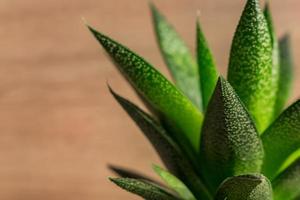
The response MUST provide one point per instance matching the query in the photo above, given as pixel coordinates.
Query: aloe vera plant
(219, 139)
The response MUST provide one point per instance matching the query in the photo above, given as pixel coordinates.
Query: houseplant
(219, 139)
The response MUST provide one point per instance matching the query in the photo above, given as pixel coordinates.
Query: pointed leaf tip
(206, 65)
(146, 190)
(177, 112)
(250, 67)
(275, 60)
(232, 142)
(177, 57)
(168, 150)
(127, 173)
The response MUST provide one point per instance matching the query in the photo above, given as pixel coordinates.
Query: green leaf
(281, 139)
(250, 68)
(276, 60)
(285, 74)
(181, 117)
(162, 143)
(207, 67)
(290, 159)
(230, 144)
(245, 187)
(297, 198)
(127, 173)
(174, 183)
(167, 149)
(144, 189)
(177, 57)
(287, 185)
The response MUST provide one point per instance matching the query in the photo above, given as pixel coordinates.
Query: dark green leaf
(250, 68)
(178, 58)
(144, 189)
(287, 185)
(230, 144)
(207, 67)
(175, 108)
(297, 198)
(276, 60)
(127, 173)
(174, 183)
(245, 187)
(168, 150)
(285, 74)
(281, 139)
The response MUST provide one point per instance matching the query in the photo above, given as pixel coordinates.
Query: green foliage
(245, 187)
(232, 142)
(275, 58)
(286, 74)
(250, 67)
(178, 58)
(144, 189)
(169, 151)
(178, 113)
(286, 185)
(247, 138)
(281, 139)
(128, 173)
(174, 183)
(207, 67)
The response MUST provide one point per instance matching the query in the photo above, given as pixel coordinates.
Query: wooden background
(59, 125)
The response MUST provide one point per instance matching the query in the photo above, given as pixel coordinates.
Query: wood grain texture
(59, 125)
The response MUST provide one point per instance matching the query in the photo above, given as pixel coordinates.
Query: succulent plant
(219, 139)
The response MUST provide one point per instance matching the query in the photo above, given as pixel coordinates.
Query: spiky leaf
(144, 189)
(276, 60)
(281, 139)
(245, 187)
(285, 74)
(287, 184)
(177, 112)
(178, 58)
(168, 150)
(207, 67)
(127, 173)
(230, 144)
(174, 183)
(250, 68)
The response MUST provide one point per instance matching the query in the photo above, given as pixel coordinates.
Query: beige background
(59, 125)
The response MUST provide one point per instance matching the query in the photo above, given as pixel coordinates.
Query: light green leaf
(276, 56)
(144, 189)
(174, 183)
(287, 185)
(178, 113)
(175, 160)
(178, 58)
(281, 139)
(285, 74)
(250, 67)
(245, 187)
(230, 144)
(207, 67)
(290, 159)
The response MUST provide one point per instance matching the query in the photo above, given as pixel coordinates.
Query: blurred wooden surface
(59, 125)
